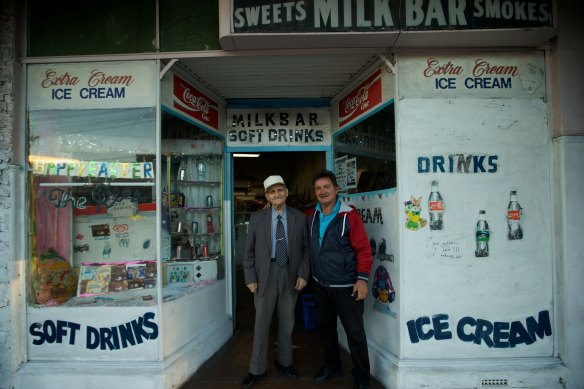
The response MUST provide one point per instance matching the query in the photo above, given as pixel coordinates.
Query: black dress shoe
(326, 374)
(251, 379)
(363, 385)
(289, 371)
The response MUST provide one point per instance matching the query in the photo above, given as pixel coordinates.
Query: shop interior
(250, 171)
(375, 170)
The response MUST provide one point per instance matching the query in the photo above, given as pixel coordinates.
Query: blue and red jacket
(345, 253)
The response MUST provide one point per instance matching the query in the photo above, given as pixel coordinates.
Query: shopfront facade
(456, 140)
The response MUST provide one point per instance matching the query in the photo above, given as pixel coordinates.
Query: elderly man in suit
(275, 268)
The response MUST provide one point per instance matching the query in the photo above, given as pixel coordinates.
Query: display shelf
(194, 210)
(197, 208)
(196, 233)
(191, 182)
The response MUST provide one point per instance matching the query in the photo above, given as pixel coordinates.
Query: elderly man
(275, 268)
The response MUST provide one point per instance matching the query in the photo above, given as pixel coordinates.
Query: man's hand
(253, 287)
(360, 290)
(300, 283)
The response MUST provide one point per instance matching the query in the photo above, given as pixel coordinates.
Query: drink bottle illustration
(514, 230)
(436, 208)
(483, 235)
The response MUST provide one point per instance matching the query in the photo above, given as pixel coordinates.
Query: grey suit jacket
(258, 248)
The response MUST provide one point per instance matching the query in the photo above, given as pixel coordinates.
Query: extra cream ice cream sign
(493, 75)
(95, 85)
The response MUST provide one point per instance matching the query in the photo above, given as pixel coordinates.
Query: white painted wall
(569, 160)
(443, 284)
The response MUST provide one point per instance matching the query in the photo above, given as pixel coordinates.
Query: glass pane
(192, 228)
(187, 25)
(93, 207)
(79, 28)
(365, 154)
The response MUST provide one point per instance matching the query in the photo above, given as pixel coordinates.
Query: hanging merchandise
(483, 235)
(435, 207)
(514, 230)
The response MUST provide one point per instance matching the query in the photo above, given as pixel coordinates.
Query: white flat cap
(273, 180)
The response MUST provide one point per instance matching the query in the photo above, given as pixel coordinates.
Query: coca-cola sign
(194, 103)
(363, 98)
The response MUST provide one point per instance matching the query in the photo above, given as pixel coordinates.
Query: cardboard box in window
(189, 271)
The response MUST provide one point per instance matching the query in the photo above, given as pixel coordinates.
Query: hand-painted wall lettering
(124, 335)
(375, 217)
(458, 163)
(481, 331)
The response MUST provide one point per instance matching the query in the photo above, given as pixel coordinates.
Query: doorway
(249, 173)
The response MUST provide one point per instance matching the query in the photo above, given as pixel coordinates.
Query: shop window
(119, 27)
(92, 206)
(192, 186)
(364, 154)
(83, 28)
(187, 25)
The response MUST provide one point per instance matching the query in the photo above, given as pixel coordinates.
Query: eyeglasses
(274, 191)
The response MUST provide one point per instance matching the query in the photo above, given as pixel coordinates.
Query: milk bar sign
(279, 127)
(269, 16)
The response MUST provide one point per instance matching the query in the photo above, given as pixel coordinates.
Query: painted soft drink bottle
(483, 235)
(514, 230)
(435, 207)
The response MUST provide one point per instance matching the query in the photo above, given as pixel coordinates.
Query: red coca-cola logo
(362, 99)
(195, 104)
(199, 103)
(359, 101)
(435, 205)
(514, 215)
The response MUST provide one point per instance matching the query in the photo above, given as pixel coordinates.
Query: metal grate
(495, 382)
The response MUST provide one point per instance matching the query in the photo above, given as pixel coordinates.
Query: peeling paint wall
(7, 86)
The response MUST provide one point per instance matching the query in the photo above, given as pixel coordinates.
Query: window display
(93, 204)
(191, 205)
(365, 154)
(193, 216)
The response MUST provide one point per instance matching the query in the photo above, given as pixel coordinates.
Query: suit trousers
(330, 303)
(279, 296)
